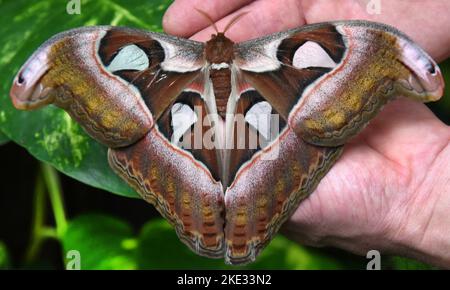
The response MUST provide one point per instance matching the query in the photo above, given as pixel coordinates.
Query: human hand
(390, 190)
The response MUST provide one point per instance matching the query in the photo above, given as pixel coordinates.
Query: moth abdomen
(221, 81)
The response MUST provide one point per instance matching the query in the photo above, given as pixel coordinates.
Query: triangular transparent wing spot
(131, 57)
(311, 54)
(259, 116)
(183, 117)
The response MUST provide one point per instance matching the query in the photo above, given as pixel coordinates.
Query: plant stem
(47, 179)
(38, 220)
(55, 193)
(49, 232)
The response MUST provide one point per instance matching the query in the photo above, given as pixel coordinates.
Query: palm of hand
(384, 175)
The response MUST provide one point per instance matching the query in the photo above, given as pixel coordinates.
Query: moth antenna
(234, 20)
(210, 20)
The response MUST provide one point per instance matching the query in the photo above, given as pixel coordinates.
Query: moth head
(219, 49)
(27, 91)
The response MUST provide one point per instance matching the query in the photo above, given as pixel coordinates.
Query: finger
(431, 34)
(408, 129)
(325, 10)
(263, 17)
(182, 19)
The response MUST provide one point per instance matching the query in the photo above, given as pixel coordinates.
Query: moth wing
(267, 181)
(268, 189)
(180, 187)
(116, 82)
(329, 80)
(177, 171)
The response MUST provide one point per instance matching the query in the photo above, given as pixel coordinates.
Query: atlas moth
(145, 94)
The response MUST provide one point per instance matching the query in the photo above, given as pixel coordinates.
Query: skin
(390, 191)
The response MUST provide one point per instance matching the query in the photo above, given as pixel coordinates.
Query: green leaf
(3, 138)
(4, 257)
(401, 263)
(282, 253)
(50, 134)
(103, 242)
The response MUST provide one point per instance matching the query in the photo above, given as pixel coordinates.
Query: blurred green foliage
(400, 263)
(4, 257)
(3, 138)
(105, 242)
(102, 241)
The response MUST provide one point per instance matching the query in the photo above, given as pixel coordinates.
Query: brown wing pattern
(326, 82)
(163, 175)
(369, 64)
(268, 189)
(72, 71)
